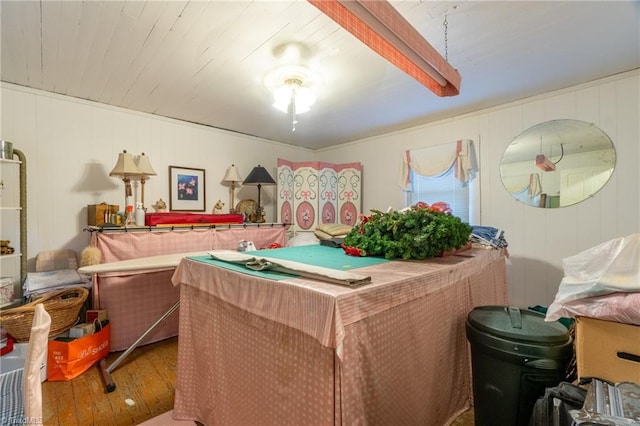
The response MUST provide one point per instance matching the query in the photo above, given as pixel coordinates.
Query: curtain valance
(435, 160)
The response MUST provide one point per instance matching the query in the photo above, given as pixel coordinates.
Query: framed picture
(186, 189)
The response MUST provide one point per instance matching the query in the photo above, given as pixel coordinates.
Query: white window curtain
(526, 185)
(535, 187)
(436, 160)
(529, 194)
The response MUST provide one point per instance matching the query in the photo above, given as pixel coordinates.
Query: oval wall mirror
(557, 163)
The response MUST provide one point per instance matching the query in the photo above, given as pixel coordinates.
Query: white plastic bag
(613, 266)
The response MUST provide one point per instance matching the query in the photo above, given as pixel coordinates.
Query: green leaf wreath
(416, 233)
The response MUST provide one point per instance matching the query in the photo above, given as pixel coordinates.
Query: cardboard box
(100, 214)
(608, 350)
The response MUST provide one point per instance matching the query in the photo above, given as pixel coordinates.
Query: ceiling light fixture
(381, 27)
(292, 98)
(544, 164)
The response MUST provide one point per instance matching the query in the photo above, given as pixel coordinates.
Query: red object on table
(354, 251)
(158, 219)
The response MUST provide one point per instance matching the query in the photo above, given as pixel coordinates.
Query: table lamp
(144, 166)
(232, 176)
(126, 168)
(258, 177)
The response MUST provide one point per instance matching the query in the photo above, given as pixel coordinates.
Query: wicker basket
(63, 306)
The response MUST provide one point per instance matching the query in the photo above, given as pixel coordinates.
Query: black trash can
(515, 356)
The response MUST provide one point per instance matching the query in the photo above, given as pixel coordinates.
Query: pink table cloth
(135, 300)
(254, 351)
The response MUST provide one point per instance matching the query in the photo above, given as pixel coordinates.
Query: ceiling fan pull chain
(446, 36)
(293, 110)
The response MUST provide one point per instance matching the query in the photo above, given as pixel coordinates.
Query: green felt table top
(317, 255)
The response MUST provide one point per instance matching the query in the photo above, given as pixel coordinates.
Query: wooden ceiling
(212, 62)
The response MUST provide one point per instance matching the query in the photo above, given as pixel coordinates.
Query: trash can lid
(521, 325)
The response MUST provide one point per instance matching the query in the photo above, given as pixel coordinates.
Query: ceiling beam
(384, 30)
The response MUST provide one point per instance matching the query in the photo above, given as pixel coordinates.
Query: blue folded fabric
(488, 235)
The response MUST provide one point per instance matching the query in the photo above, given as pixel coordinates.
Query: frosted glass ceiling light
(292, 98)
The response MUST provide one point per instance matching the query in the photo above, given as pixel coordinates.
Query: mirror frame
(557, 163)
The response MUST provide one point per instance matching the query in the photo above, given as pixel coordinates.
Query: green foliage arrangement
(417, 233)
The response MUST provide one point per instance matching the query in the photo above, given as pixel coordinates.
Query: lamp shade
(232, 174)
(143, 164)
(125, 166)
(259, 176)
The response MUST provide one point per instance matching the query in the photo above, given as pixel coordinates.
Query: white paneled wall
(71, 145)
(538, 238)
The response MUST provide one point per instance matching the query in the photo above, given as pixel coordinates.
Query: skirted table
(297, 351)
(135, 299)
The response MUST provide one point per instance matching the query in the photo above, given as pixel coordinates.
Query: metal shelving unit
(13, 219)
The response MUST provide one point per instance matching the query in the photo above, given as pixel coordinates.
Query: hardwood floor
(465, 419)
(144, 389)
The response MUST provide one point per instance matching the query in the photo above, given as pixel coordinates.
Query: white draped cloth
(435, 160)
(36, 354)
(535, 186)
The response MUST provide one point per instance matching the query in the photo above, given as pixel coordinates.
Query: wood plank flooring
(144, 389)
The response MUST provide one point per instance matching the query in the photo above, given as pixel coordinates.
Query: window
(444, 173)
(441, 188)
